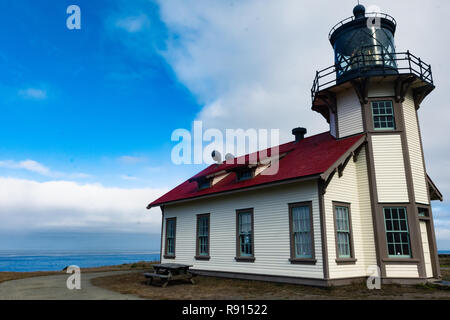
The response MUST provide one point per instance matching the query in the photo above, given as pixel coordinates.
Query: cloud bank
(66, 205)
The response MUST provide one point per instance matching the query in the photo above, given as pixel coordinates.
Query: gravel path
(54, 288)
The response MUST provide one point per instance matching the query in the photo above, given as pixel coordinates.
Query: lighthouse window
(397, 233)
(383, 115)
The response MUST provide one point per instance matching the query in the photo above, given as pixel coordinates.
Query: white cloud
(36, 167)
(33, 93)
(31, 205)
(128, 178)
(131, 159)
(133, 24)
(29, 165)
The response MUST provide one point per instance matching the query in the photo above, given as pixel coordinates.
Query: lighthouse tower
(373, 89)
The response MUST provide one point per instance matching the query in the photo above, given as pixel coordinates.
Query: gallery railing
(373, 64)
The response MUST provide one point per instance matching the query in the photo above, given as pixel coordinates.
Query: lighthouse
(343, 205)
(374, 89)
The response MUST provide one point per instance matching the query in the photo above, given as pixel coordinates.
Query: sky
(87, 115)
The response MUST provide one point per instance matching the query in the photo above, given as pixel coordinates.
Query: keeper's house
(342, 201)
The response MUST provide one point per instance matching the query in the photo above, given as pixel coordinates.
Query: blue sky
(87, 115)
(79, 100)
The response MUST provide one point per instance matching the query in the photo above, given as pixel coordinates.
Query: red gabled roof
(308, 157)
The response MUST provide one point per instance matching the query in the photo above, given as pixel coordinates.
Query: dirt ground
(218, 288)
(6, 276)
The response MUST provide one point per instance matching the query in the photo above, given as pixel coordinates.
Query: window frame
(168, 255)
(344, 260)
(238, 257)
(204, 184)
(199, 256)
(239, 173)
(395, 128)
(294, 259)
(423, 207)
(400, 257)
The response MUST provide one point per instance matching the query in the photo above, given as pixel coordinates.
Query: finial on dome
(359, 11)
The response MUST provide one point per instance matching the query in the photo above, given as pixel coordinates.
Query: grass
(211, 288)
(444, 259)
(6, 276)
(220, 288)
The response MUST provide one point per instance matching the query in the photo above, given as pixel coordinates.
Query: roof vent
(229, 157)
(299, 133)
(217, 157)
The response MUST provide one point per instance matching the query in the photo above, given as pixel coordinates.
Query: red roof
(309, 157)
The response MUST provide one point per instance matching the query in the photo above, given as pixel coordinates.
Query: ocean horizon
(28, 261)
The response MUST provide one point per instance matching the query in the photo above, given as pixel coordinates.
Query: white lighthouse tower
(373, 89)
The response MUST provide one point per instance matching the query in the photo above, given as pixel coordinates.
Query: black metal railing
(370, 15)
(374, 64)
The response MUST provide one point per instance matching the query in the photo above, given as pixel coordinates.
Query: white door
(426, 249)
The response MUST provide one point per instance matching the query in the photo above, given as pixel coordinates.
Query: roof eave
(435, 194)
(260, 186)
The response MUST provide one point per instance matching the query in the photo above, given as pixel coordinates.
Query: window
(202, 236)
(170, 237)
(301, 231)
(383, 115)
(397, 233)
(245, 239)
(204, 184)
(344, 245)
(244, 174)
(423, 212)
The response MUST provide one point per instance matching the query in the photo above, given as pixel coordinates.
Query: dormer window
(204, 184)
(245, 174)
(383, 115)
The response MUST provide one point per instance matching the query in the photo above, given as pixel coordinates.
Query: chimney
(299, 133)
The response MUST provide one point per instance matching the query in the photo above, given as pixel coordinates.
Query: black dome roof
(359, 11)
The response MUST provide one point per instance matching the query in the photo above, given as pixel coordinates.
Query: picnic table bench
(167, 272)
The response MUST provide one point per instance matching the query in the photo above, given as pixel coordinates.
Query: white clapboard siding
(426, 249)
(389, 169)
(349, 114)
(271, 231)
(381, 90)
(415, 150)
(353, 188)
(402, 271)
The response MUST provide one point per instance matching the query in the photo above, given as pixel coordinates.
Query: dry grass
(444, 260)
(219, 288)
(6, 276)
(211, 288)
(445, 274)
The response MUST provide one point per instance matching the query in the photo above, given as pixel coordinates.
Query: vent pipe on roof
(217, 157)
(299, 133)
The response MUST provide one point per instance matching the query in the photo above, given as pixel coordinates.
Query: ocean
(56, 261)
